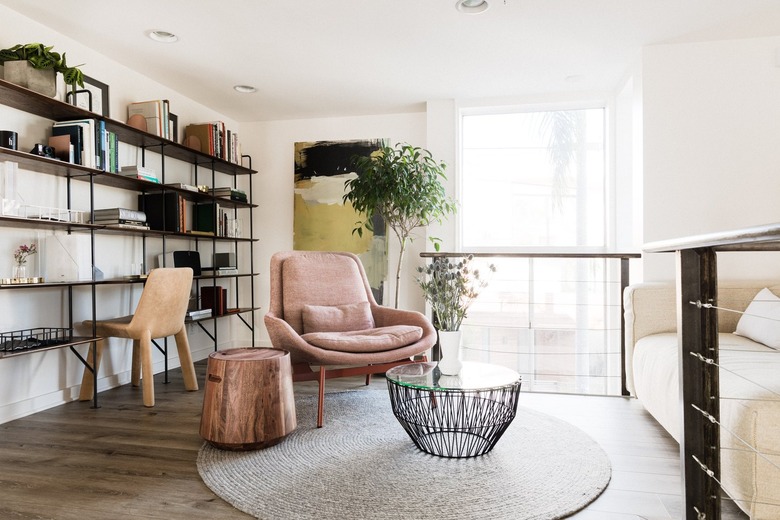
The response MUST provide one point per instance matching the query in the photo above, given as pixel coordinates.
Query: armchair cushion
(337, 318)
(370, 340)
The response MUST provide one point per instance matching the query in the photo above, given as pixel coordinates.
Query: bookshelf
(206, 170)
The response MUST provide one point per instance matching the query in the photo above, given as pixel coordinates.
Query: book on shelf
(214, 298)
(117, 221)
(120, 213)
(76, 138)
(126, 225)
(230, 193)
(140, 172)
(164, 211)
(182, 186)
(220, 271)
(91, 139)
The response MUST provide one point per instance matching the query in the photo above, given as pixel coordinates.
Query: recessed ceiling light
(245, 89)
(471, 6)
(163, 36)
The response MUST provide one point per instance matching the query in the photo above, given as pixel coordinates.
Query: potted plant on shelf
(450, 286)
(403, 185)
(35, 66)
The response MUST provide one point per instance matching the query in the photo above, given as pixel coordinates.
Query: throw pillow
(337, 318)
(761, 320)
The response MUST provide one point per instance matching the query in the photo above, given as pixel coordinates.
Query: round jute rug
(362, 465)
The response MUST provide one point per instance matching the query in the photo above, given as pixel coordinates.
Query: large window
(536, 182)
(533, 179)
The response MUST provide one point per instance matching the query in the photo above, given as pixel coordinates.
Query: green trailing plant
(43, 57)
(403, 185)
(450, 286)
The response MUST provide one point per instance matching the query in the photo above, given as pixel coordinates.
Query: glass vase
(20, 271)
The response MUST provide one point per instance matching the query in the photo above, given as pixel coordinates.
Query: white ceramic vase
(449, 343)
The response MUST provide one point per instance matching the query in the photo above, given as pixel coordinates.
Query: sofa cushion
(761, 320)
(337, 318)
(371, 340)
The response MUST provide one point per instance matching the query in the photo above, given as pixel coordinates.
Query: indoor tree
(403, 185)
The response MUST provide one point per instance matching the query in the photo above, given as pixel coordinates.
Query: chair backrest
(164, 301)
(301, 278)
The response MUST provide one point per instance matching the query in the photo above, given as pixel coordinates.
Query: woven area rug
(362, 465)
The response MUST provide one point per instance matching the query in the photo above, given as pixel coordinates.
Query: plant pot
(449, 345)
(43, 81)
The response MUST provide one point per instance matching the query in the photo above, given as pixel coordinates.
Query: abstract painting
(322, 221)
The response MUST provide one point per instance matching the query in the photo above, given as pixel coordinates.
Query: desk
(454, 416)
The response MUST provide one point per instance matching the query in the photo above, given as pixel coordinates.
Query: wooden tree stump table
(248, 401)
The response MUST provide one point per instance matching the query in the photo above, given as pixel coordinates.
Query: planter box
(23, 74)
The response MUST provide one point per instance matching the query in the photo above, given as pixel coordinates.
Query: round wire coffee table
(454, 416)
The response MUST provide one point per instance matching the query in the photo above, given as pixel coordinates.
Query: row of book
(214, 139)
(157, 115)
(214, 298)
(169, 211)
(86, 142)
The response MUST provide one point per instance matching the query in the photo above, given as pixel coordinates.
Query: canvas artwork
(322, 221)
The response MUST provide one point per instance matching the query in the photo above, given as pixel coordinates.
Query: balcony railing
(556, 318)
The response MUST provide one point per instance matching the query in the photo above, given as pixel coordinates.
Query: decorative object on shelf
(93, 97)
(402, 185)
(9, 139)
(20, 261)
(450, 286)
(34, 66)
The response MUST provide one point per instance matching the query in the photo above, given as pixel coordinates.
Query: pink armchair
(323, 312)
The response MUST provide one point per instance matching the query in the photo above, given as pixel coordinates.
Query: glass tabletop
(473, 376)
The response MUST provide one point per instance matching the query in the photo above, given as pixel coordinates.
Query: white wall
(271, 145)
(710, 147)
(40, 380)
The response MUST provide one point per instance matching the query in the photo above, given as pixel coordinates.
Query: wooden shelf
(31, 102)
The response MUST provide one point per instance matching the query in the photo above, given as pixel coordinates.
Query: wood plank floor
(126, 461)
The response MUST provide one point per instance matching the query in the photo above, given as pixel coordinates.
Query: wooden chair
(323, 312)
(160, 313)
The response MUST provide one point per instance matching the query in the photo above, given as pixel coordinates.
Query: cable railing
(555, 318)
(730, 438)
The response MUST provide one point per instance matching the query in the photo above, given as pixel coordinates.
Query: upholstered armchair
(323, 312)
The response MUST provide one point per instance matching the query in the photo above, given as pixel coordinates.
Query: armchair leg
(368, 379)
(321, 400)
(87, 382)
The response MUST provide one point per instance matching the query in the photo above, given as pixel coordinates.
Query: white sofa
(749, 382)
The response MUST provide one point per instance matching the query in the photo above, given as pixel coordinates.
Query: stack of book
(197, 314)
(121, 217)
(140, 172)
(230, 193)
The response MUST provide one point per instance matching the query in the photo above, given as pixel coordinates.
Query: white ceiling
(317, 58)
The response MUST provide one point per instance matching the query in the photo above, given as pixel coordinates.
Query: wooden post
(248, 400)
(697, 331)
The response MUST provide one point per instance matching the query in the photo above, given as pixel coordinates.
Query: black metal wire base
(454, 423)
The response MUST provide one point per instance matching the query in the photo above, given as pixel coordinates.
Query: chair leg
(185, 358)
(147, 375)
(135, 371)
(87, 379)
(368, 379)
(321, 401)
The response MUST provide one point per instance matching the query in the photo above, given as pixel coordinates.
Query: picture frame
(93, 97)
(173, 126)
